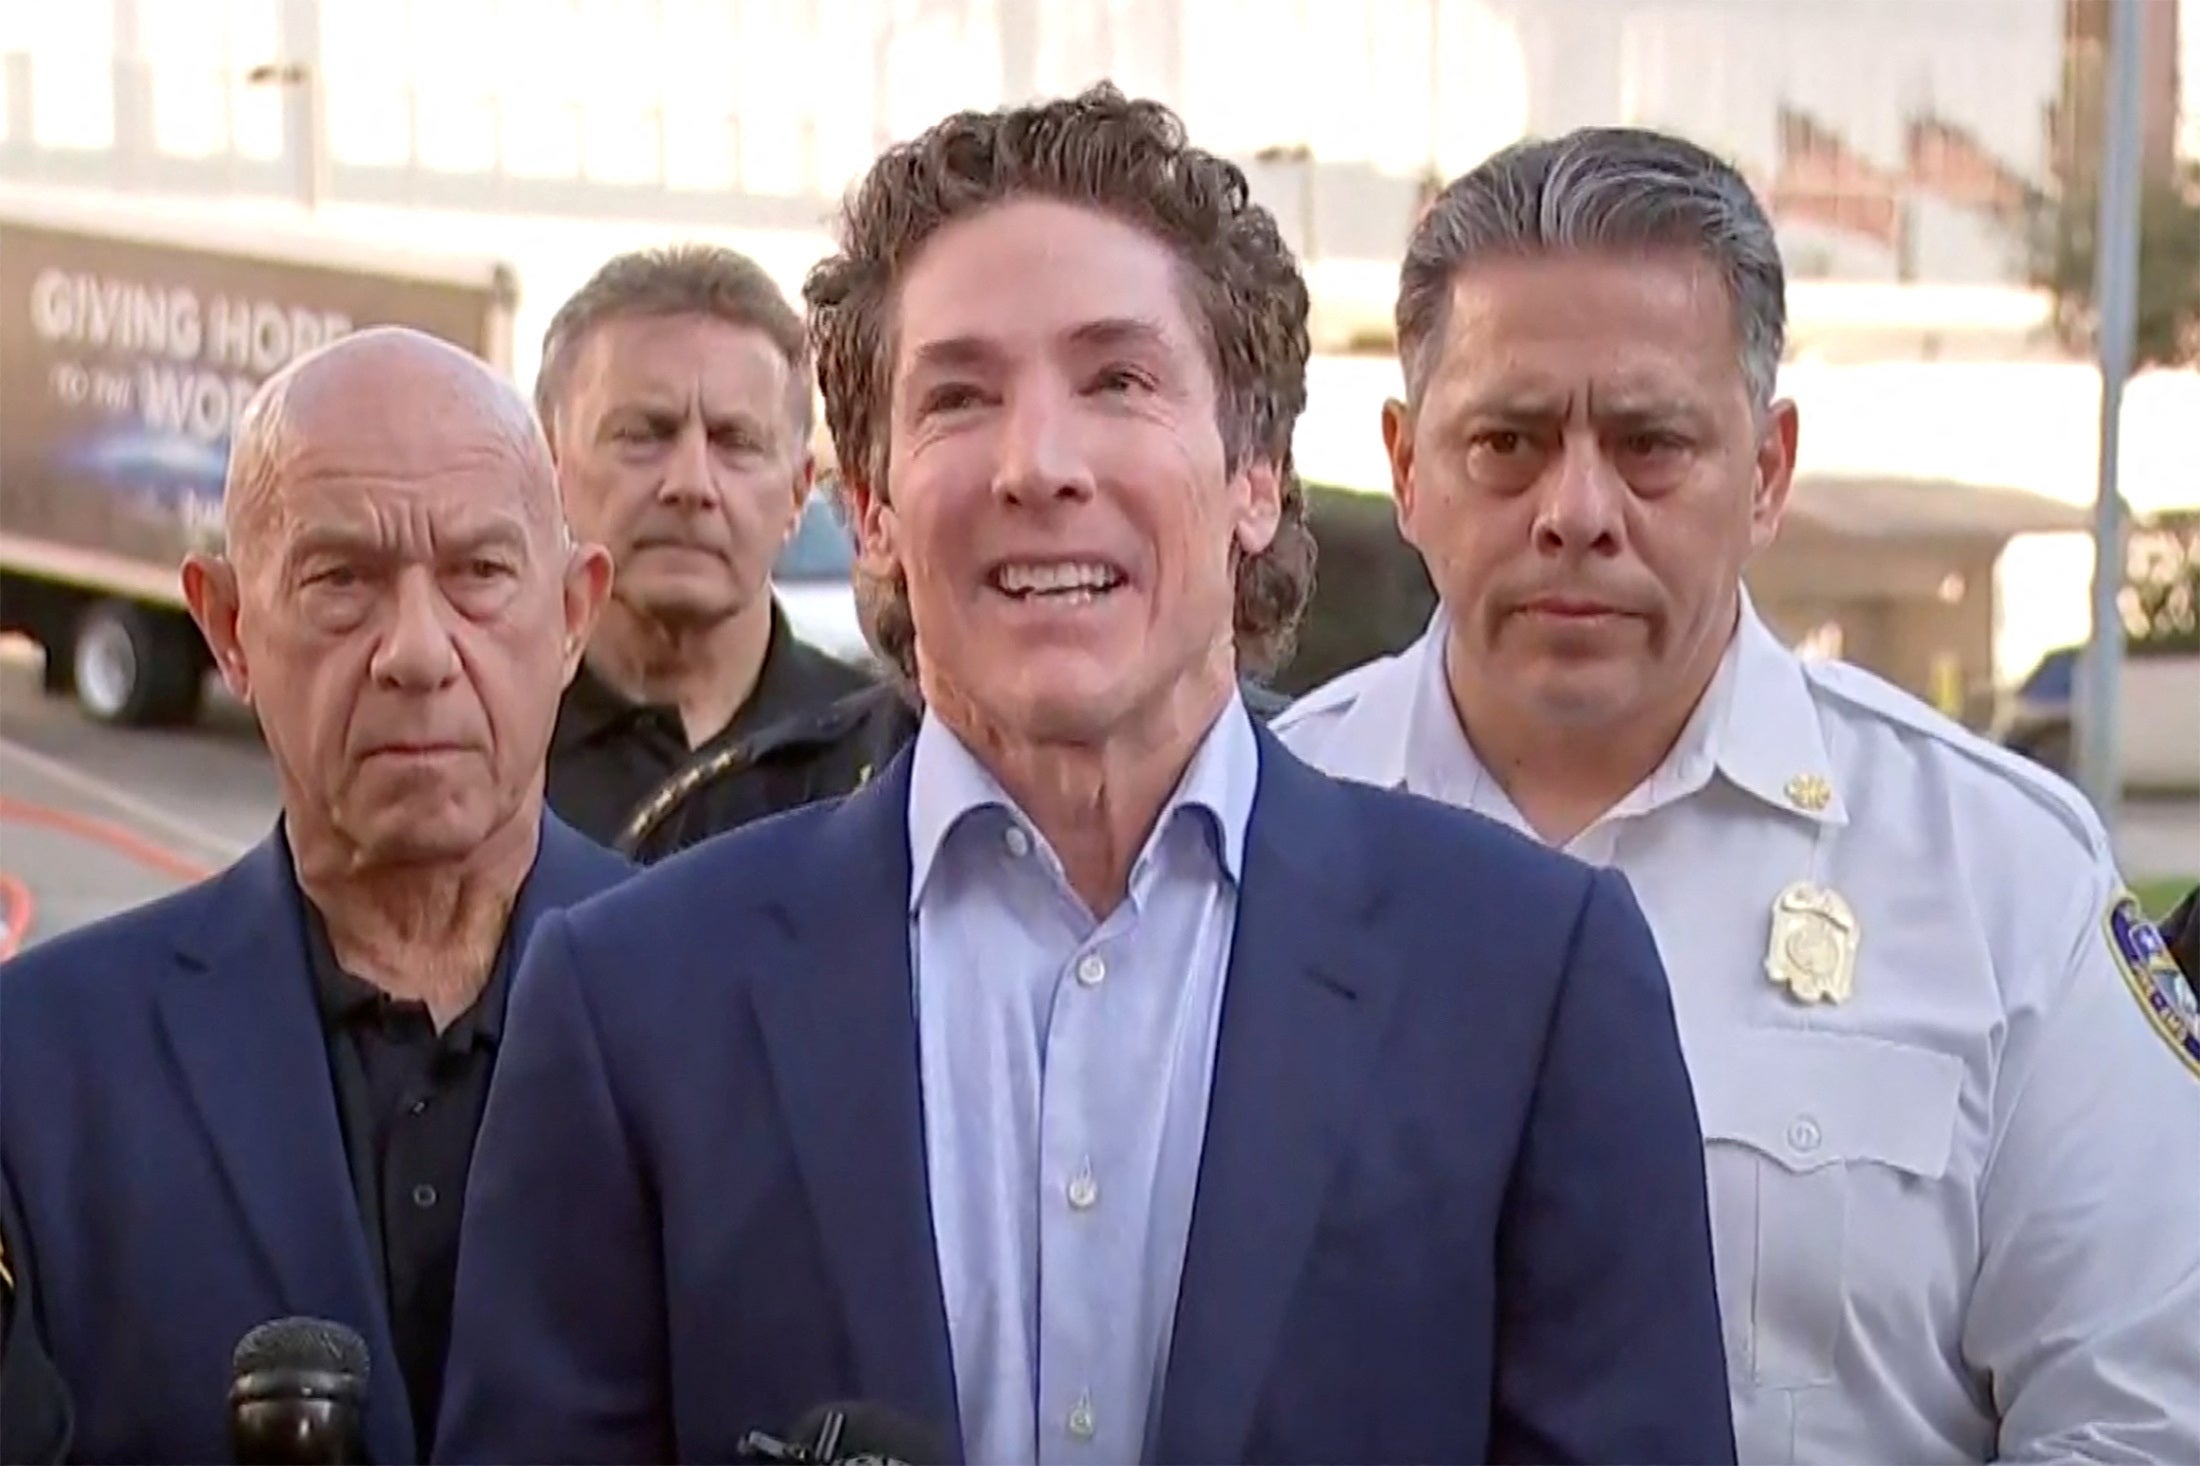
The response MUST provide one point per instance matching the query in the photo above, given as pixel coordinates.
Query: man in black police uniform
(822, 755)
(675, 390)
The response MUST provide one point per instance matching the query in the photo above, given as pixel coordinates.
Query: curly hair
(1128, 159)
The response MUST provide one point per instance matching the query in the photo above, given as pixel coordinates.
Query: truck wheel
(136, 667)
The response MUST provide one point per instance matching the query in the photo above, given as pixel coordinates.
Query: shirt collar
(1768, 739)
(343, 998)
(948, 784)
(593, 709)
(1757, 726)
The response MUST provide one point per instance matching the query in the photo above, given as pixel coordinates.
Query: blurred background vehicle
(2161, 717)
(813, 580)
(128, 345)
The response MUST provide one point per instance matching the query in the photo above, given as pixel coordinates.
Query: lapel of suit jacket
(569, 868)
(837, 1012)
(1302, 1016)
(246, 1034)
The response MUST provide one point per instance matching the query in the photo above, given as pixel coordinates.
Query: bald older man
(257, 1097)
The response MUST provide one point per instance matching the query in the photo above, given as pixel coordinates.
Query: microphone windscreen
(315, 1344)
(870, 1429)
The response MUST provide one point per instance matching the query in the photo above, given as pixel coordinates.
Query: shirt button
(1081, 1421)
(1092, 969)
(1019, 843)
(1083, 1191)
(417, 1107)
(423, 1196)
(1804, 1135)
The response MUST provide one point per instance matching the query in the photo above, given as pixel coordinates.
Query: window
(457, 129)
(848, 113)
(777, 67)
(696, 62)
(627, 51)
(367, 82)
(255, 112)
(201, 104)
(540, 135)
(71, 46)
(458, 51)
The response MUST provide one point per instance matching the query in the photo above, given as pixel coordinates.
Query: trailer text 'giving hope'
(189, 364)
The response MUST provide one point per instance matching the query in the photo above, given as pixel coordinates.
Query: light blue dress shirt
(1066, 1063)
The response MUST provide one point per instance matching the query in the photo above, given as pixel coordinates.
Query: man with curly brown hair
(1099, 1083)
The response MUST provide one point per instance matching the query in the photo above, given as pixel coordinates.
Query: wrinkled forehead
(405, 502)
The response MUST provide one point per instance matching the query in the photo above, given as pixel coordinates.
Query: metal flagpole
(2116, 293)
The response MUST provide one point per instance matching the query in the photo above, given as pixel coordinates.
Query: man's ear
(1398, 448)
(1261, 508)
(878, 547)
(1775, 473)
(210, 589)
(802, 484)
(588, 573)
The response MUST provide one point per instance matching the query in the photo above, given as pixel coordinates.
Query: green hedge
(1371, 594)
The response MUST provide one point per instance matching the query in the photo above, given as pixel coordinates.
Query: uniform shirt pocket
(1804, 1128)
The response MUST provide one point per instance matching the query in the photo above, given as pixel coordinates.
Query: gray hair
(682, 280)
(1596, 189)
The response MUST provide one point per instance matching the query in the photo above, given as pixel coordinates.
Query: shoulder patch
(2143, 957)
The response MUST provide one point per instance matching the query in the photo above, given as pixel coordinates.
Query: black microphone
(298, 1395)
(846, 1433)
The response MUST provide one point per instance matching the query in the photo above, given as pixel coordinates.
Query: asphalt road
(95, 819)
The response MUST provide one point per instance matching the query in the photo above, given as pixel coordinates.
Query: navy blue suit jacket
(173, 1161)
(1451, 1204)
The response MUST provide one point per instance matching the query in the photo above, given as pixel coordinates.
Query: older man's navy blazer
(1451, 1203)
(172, 1153)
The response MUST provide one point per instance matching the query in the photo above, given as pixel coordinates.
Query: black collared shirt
(608, 754)
(410, 1101)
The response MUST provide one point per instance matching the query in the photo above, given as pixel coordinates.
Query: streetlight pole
(2116, 291)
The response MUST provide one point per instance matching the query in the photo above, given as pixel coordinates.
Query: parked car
(814, 582)
(2159, 726)
(2037, 719)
